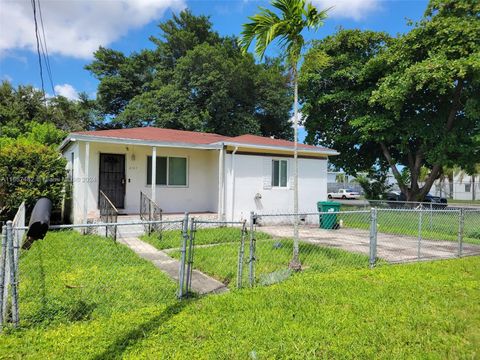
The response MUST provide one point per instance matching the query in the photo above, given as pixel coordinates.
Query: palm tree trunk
(295, 263)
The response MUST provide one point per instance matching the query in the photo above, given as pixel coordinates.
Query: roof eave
(126, 141)
(328, 152)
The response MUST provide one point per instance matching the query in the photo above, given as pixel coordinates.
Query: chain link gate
(212, 250)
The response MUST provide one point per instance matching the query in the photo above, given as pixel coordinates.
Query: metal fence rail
(216, 248)
(150, 211)
(108, 214)
(70, 277)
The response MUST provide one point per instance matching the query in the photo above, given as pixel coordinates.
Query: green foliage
(374, 185)
(46, 134)
(412, 100)
(267, 26)
(29, 170)
(193, 80)
(345, 309)
(22, 105)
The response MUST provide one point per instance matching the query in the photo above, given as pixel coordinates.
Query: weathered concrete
(390, 247)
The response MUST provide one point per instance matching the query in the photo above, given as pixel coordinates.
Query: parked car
(396, 198)
(344, 194)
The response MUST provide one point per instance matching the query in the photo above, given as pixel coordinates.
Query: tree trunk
(295, 263)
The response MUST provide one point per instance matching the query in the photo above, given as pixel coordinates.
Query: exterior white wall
(245, 177)
(253, 172)
(463, 187)
(71, 154)
(200, 194)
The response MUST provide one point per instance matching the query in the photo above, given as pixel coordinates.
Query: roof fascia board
(287, 148)
(123, 141)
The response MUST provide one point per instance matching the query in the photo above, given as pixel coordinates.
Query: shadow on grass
(116, 349)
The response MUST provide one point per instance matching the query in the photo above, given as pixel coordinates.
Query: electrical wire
(38, 46)
(45, 50)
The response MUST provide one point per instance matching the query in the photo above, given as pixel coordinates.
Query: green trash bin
(328, 221)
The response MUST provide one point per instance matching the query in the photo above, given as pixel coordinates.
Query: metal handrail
(150, 211)
(108, 214)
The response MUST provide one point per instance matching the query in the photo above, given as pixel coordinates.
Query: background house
(192, 171)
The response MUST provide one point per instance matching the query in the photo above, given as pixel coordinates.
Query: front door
(112, 178)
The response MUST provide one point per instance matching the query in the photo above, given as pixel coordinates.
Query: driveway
(390, 247)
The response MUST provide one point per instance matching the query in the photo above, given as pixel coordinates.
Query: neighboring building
(463, 187)
(340, 180)
(195, 172)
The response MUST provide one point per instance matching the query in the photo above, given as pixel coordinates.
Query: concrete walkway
(201, 283)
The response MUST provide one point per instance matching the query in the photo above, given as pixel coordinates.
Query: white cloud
(352, 9)
(67, 91)
(77, 27)
(300, 119)
(7, 77)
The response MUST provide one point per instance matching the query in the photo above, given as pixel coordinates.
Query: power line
(45, 52)
(38, 46)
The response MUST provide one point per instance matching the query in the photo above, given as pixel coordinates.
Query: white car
(344, 194)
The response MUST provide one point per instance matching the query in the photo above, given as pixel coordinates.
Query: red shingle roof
(158, 134)
(192, 137)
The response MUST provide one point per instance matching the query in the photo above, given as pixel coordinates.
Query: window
(171, 171)
(468, 187)
(177, 171)
(279, 173)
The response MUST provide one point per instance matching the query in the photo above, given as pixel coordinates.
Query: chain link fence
(76, 273)
(79, 272)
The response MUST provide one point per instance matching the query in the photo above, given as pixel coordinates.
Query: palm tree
(294, 17)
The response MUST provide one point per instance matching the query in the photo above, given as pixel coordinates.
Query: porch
(177, 179)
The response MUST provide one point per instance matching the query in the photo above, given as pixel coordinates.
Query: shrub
(374, 186)
(29, 170)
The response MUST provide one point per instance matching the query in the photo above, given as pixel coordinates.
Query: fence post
(181, 271)
(3, 258)
(252, 259)
(150, 217)
(420, 220)
(373, 237)
(461, 224)
(190, 257)
(431, 216)
(240, 256)
(13, 274)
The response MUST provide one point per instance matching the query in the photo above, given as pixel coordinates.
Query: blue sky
(74, 28)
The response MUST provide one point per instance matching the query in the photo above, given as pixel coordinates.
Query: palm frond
(286, 28)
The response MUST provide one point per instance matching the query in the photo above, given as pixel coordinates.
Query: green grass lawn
(172, 239)
(272, 260)
(68, 278)
(465, 202)
(217, 253)
(422, 310)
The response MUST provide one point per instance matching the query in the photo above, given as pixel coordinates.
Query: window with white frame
(279, 173)
(169, 171)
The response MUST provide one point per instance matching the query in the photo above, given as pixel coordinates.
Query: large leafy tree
(412, 101)
(21, 106)
(194, 80)
(294, 16)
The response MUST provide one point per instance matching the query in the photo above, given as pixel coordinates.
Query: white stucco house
(191, 171)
